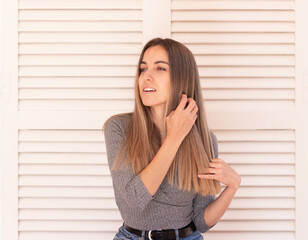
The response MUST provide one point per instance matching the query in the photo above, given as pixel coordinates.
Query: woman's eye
(158, 68)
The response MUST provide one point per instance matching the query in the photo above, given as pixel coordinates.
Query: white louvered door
(245, 53)
(77, 62)
(72, 65)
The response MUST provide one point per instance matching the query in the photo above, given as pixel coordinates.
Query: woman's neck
(158, 114)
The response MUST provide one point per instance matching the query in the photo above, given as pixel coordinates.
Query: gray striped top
(169, 208)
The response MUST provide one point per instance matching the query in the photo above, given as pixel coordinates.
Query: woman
(163, 158)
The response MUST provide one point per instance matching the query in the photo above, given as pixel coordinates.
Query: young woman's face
(154, 79)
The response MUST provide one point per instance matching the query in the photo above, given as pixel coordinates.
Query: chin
(151, 103)
(148, 104)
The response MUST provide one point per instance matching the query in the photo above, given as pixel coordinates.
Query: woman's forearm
(216, 209)
(179, 123)
(219, 170)
(153, 175)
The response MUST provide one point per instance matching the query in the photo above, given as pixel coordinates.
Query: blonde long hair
(143, 139)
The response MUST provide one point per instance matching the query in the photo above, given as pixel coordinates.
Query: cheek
(139, 84)
(168, 86)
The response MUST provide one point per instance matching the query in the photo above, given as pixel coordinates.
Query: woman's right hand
(180, 121)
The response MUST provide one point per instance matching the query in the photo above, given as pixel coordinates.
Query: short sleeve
(200, 203)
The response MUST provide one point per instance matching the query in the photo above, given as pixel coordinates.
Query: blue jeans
(123, 234)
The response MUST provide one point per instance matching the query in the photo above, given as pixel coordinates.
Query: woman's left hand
(221, 171)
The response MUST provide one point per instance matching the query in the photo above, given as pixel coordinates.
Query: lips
(149, 89)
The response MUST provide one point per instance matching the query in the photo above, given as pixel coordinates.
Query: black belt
(163, 234)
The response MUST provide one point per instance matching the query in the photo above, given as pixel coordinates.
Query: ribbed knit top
(169, 208)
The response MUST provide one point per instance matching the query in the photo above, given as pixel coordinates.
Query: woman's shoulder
(117, 122)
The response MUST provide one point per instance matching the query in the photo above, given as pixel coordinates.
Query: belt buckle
(150, 232)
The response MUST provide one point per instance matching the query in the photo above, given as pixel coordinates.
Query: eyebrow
(143, 62)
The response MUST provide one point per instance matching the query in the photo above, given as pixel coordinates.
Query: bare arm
(179, 123)
(153, 175)
(216, 209)
(222, 172)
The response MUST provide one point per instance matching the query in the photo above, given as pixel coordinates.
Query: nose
(148, 75)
